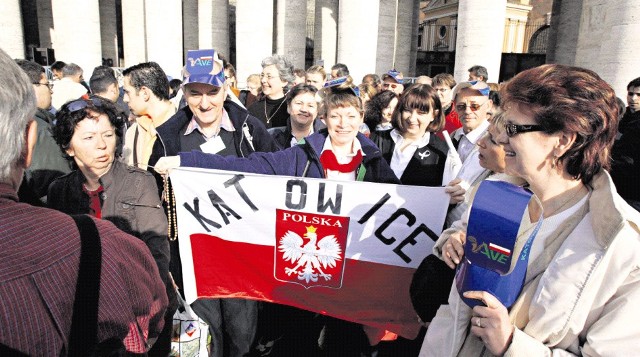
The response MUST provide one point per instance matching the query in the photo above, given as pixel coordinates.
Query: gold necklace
(274, 113)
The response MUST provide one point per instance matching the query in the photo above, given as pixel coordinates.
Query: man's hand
(165, 164)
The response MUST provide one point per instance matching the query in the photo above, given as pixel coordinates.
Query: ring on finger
(478, 322)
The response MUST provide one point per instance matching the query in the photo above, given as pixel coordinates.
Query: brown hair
(571, 100)
(444, 79)
(419, 97)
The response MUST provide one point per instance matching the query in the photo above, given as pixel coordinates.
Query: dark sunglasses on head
(513, 129)
(82, 103)
(461, 107)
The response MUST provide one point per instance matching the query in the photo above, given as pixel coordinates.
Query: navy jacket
(282, 134)
(300, 160)
(254, 138)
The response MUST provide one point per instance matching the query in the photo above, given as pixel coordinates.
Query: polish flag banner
(344, 249)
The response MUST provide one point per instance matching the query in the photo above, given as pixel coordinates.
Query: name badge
(213, 146)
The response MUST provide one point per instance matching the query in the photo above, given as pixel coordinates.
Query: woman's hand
(165, 164)
(491, 322)
(456, 190)
(453, 249)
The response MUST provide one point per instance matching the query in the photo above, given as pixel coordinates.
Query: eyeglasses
(50, 85)
(390, 85)
(442, 89)
(513, 129)
(82, 103)
(461, 107)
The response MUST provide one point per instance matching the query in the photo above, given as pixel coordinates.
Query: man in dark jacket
(48, 163)
(212, 124)
(625, 168)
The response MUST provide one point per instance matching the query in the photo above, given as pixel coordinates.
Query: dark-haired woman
(87, 131)
(415, 155)
(583, 279)
(378, 115)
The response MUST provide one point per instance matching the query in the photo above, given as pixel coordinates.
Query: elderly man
(393, 81)
(48, 162)
(212, 124)
(69, 87)
(43, 250)
(472, 103)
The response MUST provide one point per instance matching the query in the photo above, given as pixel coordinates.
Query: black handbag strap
(84, 322)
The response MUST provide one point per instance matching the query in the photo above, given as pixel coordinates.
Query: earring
(554, 163)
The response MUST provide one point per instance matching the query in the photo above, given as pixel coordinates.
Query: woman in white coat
(583, 280)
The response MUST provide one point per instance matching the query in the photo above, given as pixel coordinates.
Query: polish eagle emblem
(312, 258)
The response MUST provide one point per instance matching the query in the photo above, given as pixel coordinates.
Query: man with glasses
(210, 123)
(393, 81)
(47, 163)
(472, 103)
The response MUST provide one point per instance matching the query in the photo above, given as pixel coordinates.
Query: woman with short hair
(276, 77)
(582, 284)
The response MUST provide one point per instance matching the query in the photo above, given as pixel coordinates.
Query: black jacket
(282, 134)
(427, 164)
(625, 166)
(48, 163)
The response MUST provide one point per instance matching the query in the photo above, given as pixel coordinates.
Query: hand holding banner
(345, 249)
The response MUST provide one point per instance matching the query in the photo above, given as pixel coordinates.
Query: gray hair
(284, 66)
(17, 108)
(71, 69)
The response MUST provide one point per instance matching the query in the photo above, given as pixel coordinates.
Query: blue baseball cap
(203, 66)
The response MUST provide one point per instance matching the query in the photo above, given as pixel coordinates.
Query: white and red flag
(345, 249)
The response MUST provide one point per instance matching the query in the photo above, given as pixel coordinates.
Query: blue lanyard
(490, 263)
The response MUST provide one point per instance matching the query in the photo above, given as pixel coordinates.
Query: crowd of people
(104, 149)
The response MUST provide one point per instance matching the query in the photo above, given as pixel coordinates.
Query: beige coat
(584, 303)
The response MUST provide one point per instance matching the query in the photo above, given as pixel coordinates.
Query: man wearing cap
(472, 103)
(146, 91)
(392, 81)
(212, 124)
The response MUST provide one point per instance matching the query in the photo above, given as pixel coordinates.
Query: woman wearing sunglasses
(582, 285)
(87, 131)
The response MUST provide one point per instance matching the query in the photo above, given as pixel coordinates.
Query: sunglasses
(461, 107)
(50, 85)
(390, 85)
(513, 129)
(80, 104)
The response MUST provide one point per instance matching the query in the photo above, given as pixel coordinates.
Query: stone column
(479, 42)
(564, 30)
(605, 42)
(357, 48)
(385, 39)
(413, 54)
(213, 25)
(45, 22)
(164, 35)
(77, 38)
(254, 36)
(407, 27)
(325, 34)
(452, 33)
(12, 39)
(291, 29)
(109, 30)
(190, 26)
(134, 39)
